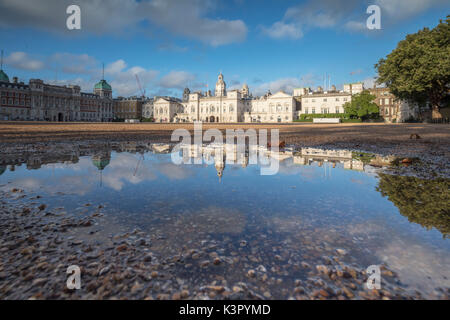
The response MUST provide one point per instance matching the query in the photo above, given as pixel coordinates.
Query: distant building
(147, 108)
(39, 101)
(387, 103)
(324, 102)
(128, 108)
(165, 109)
(391, 108)
(226, 106)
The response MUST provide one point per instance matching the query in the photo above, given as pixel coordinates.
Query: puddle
(319, 201)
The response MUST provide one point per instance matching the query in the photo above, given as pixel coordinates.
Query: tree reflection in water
(422, 201)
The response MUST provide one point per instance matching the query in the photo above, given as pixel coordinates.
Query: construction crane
(140, 86)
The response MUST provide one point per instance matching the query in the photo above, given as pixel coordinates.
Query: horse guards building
(38, 101)
(240, 106)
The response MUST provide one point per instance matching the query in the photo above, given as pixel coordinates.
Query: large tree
(362, 106)
(418, 70)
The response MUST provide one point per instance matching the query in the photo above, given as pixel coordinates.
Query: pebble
(322, 269)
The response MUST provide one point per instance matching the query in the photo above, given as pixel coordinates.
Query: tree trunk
(436, 113)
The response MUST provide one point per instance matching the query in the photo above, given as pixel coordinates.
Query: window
(337, 99)
(313, 110)
(325, 100)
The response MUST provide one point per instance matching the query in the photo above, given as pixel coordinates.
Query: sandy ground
(434, 138)
(29, 131)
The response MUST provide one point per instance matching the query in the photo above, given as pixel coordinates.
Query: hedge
(323, 115)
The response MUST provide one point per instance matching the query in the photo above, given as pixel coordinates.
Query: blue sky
(276, 45)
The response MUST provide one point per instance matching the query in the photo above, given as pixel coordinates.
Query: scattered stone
(322, 269)
(122, 247)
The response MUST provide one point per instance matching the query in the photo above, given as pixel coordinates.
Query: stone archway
(211, 119)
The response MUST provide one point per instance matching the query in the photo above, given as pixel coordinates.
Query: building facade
(165, 109)
(147, 109)
(324, 102)
(128, 108)
(226, 106)
(38, 101)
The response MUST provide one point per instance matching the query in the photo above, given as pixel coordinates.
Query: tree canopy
(418, 70)
(362, 106)
(425, 202)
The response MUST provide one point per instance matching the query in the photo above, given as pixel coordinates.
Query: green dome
(100, 163)
(103, 85)
(3, 76)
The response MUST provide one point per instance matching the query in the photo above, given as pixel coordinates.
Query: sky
(173, 44)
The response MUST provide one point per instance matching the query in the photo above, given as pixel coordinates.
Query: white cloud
(22, 61)
(348, 15)
(186, 18)
(72, 63)
(285, 84)
(124, 81)
(176, 79)
(356, 26)
(401, 9)
(282, 30)
(116, 67)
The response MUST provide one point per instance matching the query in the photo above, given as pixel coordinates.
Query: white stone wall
(147, 110)
(324, 103)
(165, 110)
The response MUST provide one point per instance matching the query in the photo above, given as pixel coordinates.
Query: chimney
(15, 80)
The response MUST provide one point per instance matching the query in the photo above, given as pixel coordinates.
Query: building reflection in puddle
(115, 165)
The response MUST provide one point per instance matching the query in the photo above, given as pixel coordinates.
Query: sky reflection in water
(332, 202)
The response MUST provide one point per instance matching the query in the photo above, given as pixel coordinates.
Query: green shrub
(311, 116)
(351, 120)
